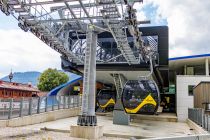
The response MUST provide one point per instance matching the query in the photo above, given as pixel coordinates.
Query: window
(190, 90)
(190, 70)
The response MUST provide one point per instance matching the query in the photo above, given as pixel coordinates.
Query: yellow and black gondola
(140, 97)
(106, 99)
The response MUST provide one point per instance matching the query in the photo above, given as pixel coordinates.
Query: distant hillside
(32, 77)
(24, 77)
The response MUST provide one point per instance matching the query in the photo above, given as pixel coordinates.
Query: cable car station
(123, 62)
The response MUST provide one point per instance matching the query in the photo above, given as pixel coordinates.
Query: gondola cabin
(106, 99)
(140, 97)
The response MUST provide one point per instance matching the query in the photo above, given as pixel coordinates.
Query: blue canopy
(55, 91)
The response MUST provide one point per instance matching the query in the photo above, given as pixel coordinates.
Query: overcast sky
(189, 34)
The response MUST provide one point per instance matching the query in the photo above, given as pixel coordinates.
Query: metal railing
(198, 116)
(18, 107)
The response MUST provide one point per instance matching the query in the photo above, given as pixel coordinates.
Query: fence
(12, 108)
(198, 116)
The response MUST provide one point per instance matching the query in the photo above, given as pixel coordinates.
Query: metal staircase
(117, 26)
(119, 115)
(29, 19)
(131, 19)
(119, 80)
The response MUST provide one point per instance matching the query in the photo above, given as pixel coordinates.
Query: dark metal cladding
(107, 42)
(160, 31)
(160, 65)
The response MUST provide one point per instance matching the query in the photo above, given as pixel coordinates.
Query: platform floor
(139, 130)
(167, 117)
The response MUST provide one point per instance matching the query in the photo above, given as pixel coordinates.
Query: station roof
(177, 62)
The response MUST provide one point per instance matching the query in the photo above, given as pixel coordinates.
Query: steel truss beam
(75, 15)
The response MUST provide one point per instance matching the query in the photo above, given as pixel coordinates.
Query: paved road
(142, 129)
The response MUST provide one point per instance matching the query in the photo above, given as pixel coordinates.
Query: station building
(175, 77)
(184, 74)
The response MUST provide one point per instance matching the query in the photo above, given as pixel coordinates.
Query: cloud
(140, 13)
(188, 23)
(22, 51)
(177, 51)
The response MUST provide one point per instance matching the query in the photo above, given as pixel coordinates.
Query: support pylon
(88, 117)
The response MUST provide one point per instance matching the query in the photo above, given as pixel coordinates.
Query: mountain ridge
(31, 77)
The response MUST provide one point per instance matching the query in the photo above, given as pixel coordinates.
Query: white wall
(183, 100)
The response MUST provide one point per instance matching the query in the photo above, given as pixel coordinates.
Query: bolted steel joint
(86, 120)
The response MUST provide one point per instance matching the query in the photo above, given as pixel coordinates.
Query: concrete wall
(39, 118)
(183, 100)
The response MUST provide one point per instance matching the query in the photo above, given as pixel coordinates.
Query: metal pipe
(21, 107)
(30, 106)
(47, 2)
(207, 66)
(84, 9)
(151, 70)
(73, 14)
(10, 108)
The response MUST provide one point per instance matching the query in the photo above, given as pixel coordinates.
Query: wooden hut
(202, 95)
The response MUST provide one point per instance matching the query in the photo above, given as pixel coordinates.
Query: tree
(51, 78)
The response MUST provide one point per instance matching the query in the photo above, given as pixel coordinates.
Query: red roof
(17, 86)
